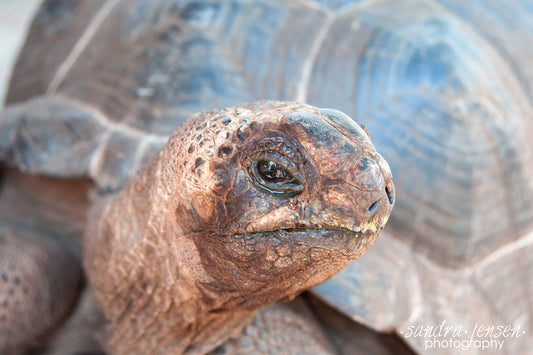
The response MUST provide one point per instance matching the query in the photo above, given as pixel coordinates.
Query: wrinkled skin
(243, 207)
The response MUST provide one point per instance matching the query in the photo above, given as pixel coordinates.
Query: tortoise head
(243, 207)
(277, 197)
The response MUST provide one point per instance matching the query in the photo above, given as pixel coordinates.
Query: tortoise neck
(146, 274)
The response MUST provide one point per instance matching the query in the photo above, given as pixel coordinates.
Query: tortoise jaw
(260, 267)
(285, 261)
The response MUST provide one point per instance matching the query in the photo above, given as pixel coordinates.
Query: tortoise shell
(444, 87)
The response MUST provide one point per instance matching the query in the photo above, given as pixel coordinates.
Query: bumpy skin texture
(280, 328)
(185, 253)
(39, 284)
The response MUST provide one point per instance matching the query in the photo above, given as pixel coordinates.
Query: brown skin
(243, 207)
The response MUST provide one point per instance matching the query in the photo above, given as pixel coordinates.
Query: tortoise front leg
(49, 136)
(39, 284)
(60, 137)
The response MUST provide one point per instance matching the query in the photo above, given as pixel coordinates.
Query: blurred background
(15, 16)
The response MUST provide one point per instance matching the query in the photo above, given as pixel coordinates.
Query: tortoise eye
(273, 172)
(277, 175)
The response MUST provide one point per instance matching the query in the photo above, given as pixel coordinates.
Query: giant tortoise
(443, 86)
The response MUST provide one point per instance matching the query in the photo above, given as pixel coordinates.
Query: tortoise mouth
(332, 239)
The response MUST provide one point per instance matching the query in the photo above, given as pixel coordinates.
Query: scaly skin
(205, 234)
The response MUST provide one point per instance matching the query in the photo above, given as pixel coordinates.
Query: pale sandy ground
(15, 16)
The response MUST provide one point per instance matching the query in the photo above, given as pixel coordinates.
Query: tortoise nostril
(390, 195)
(374, 206)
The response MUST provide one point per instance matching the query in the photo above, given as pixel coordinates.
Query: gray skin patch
(337, 124)
(342, 121)
(309, 121)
